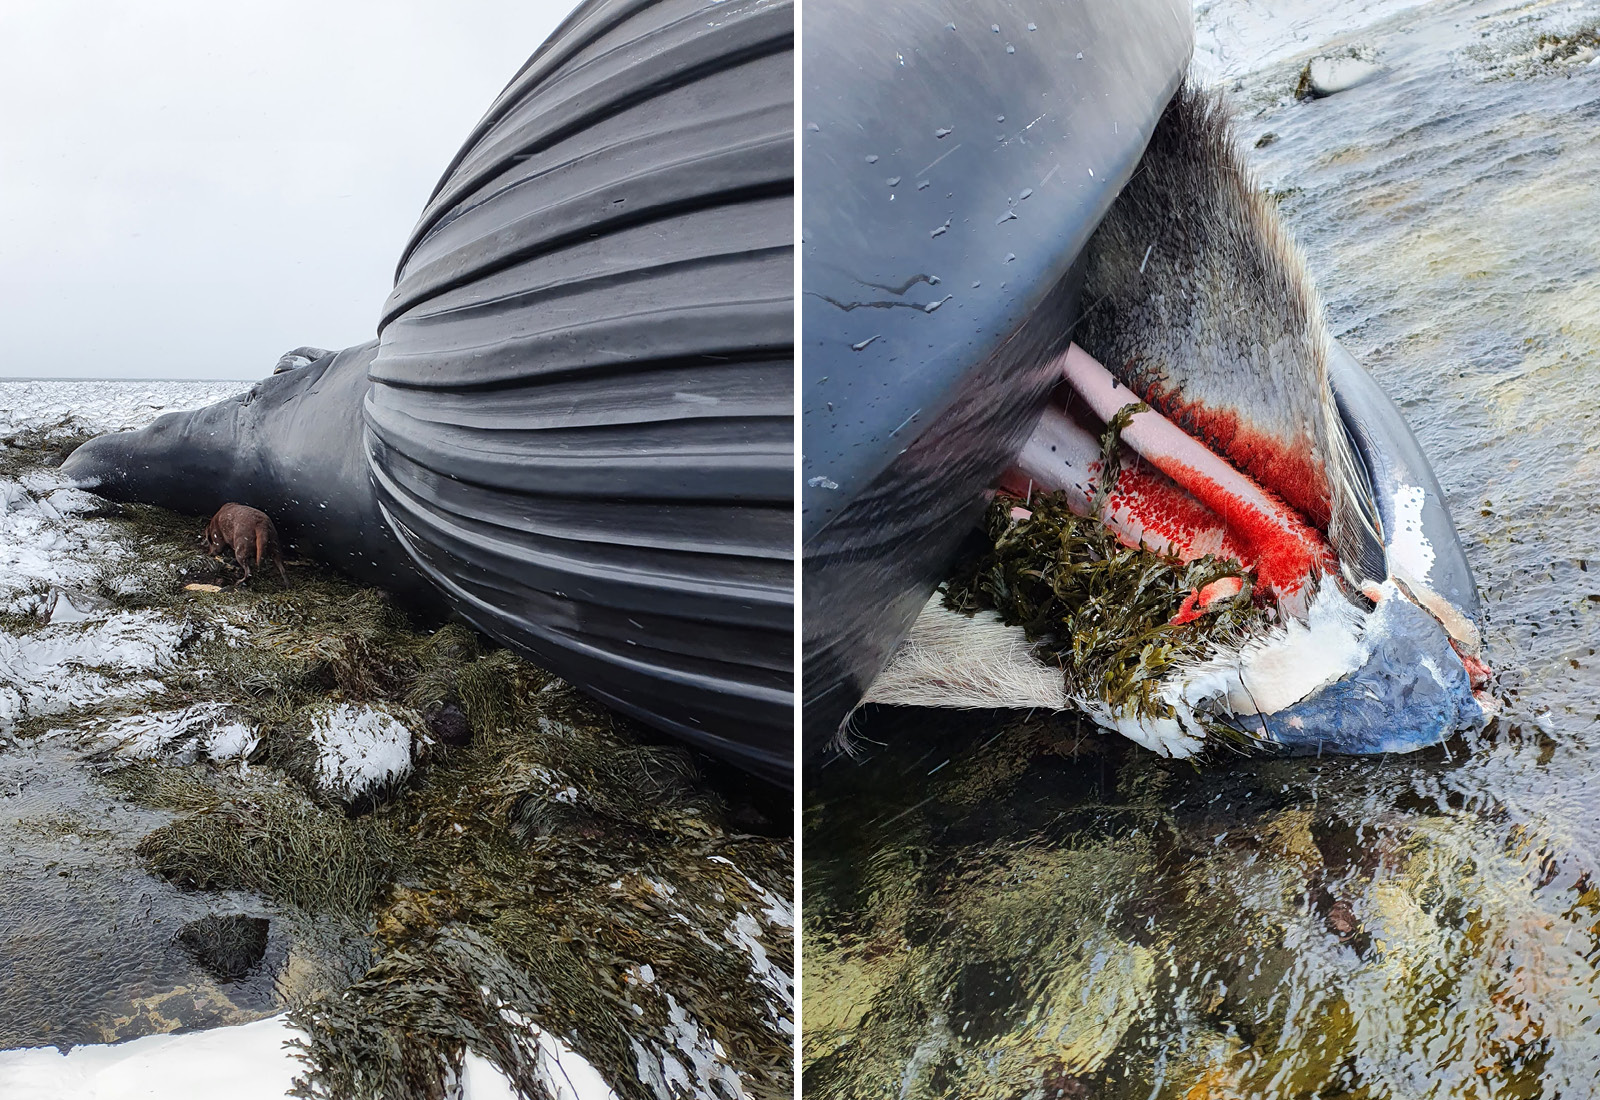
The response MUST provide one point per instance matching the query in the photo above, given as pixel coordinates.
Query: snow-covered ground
(1235, 37)
(51, 554)
(248, 1062)
(102, 405)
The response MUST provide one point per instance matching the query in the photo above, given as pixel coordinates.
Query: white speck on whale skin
(821, 482)
(1409, 548)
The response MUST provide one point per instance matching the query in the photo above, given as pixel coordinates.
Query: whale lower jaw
(1343, 680)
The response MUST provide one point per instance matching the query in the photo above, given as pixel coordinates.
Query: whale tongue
(1180, 499)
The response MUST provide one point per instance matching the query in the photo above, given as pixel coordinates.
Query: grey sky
(190, 188)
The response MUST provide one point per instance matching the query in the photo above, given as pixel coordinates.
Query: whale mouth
(1336, 660)
(1205, 416)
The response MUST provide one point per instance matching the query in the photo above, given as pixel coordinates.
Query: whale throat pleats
(581, 418)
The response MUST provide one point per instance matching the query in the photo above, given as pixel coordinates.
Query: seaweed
(1098, 609)
(261, 835)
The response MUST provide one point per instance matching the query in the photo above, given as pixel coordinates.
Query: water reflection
(1001, 906)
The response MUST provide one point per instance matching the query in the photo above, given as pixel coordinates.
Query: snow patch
(1236, 37)
(565, 1074)
(1332, 75)
(361, 749)
(708, 1072)
(773, 979)
(43, 542)
(181, 735)
(247, 1062)
(59, 667)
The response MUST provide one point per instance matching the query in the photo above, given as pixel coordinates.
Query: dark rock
(448, 723)
(226, 947)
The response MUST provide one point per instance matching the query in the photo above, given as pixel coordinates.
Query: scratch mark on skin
(937, 159)
(920, 307)
(902, 287)
(906, 421)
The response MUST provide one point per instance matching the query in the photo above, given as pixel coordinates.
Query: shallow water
(89, 940)
(1027, 907)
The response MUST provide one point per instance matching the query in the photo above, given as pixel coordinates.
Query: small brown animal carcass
(242, 529)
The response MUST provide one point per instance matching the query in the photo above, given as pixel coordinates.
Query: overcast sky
(189, 188)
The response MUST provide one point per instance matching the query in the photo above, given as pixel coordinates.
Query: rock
(1329, 74)
(448, 723)
(202, 588)
(73, 605)
(362, 751)
(226, 947)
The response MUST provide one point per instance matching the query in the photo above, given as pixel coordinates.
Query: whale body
(574, 428)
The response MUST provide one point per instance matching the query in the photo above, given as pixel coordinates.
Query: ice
(91, 405)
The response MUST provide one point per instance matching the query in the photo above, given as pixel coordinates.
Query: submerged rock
(227, 947)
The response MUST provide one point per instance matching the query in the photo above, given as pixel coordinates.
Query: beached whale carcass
(1008, 187)
(574, 428)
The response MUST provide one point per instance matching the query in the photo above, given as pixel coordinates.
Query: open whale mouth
(1234, 429)
(1352, 662)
